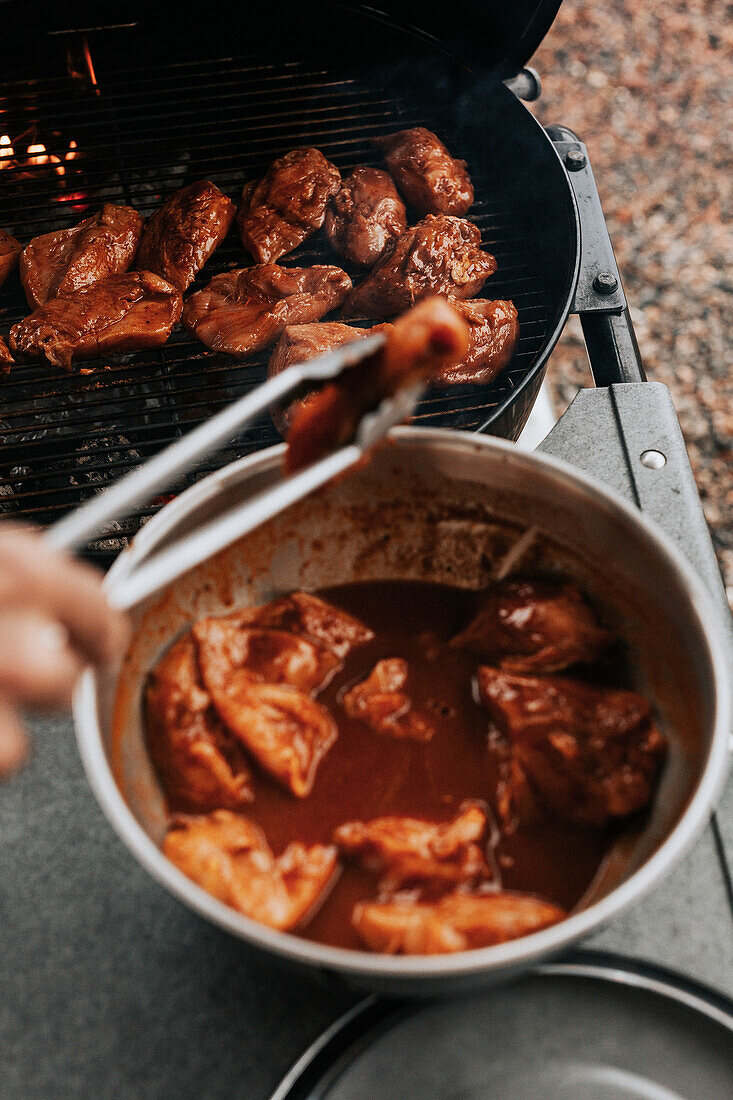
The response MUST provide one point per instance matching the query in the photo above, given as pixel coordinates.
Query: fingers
(38, 667)
(13, 741)
(63, 590)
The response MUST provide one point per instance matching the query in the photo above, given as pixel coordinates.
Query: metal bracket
(526, 84)
(628, 436)
(599, 287)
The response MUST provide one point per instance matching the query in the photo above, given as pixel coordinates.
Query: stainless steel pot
(456, 508)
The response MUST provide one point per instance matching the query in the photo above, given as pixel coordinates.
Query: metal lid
(599, 1028)
(496, 37)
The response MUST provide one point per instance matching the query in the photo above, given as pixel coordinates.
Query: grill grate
(62, 436)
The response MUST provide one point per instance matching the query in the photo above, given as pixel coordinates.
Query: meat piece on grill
(179, 237)
(364, 216)
(6, 359)
(408, 852)
(200, 765)
(241, 312)
(230, 651)
(439, 255)
(63, 262)
(380, 702)
(10, 250)
(312, 618)
(117, 314)
(456, 922)
(589, 753)
(420, 345)
(299, 343)
(494, 332)
(228, 856)
(278, 212)
(534, 626)
(430, 179)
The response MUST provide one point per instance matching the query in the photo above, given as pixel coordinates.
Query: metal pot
(456, 508)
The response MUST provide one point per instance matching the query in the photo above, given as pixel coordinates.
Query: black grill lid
(490, 35)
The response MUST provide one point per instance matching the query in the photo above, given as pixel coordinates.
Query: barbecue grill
(96, 107)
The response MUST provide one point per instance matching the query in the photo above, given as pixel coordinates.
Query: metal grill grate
(64, 436)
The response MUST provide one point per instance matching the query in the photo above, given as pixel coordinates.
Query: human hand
(54, 620)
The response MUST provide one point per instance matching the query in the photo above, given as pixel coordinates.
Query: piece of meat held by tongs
(362, 389)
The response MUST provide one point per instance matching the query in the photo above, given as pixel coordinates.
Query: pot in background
(455, 508)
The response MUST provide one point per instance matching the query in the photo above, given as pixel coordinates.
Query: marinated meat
(430, 179)
(408, 852)
(299, 343)
(380, 702)
(229, 650)
(10, 250)
(228, 856)
(286, 731)
(6, 359)
(311, 617)
(364, 216)
(288, 205)
(63, 262)
(200, 765)
(439, 255)
(456, 922)
(241, 312)
(493, 333)
(589, 753)
(424, 342)
(117, 314)
(179, 237)
(534, 626)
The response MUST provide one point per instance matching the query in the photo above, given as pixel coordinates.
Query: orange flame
(6, 151)
(37, 155)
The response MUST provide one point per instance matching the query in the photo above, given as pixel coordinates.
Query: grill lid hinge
(526, 84)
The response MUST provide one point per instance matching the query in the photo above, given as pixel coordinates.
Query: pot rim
(519, 952)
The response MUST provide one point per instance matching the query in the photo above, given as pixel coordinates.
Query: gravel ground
(648, 87)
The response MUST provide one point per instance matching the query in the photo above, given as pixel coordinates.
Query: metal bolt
(605, 283)
(653, 460)
(575, 160)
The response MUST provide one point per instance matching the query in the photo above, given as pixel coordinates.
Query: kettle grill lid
(494, 36)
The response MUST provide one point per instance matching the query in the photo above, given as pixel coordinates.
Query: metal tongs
(136, 488)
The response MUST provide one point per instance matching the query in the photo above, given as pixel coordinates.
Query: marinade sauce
(366, 775)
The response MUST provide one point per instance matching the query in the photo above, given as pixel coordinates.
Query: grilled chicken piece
(408, 852)
(311, 617)
(63, 262)
(230, 651)
(534, 626)
(422, 343)
(6, 359)
(299, 343)
(179, 237)
(241, 312)
(457, 922)
(288, 205)
(364, 216)
(493, 333)
(10, 250)
(590, 754)
(200, 765)
(439, 255)
(228, 856)
(430, 179)
(380, 702)
(117, 314)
